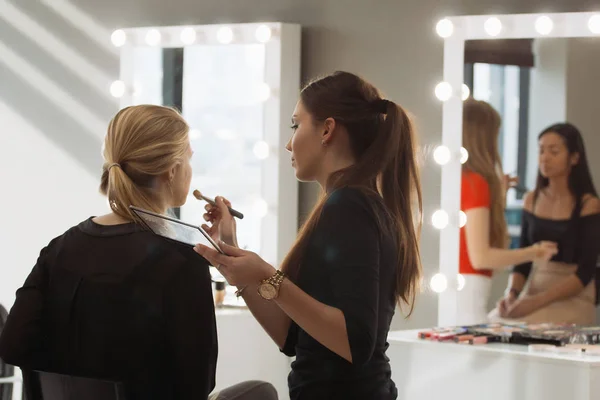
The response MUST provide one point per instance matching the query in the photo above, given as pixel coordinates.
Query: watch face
(267, 291)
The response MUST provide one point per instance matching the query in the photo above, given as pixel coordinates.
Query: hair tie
(380, 105)
(113, 165)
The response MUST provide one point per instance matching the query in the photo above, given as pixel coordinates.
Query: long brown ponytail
(383, 141)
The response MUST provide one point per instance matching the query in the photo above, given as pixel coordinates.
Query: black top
(578, 240)
(118, 303)
(349, 264)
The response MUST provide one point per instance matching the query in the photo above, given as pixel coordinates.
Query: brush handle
(232, 211)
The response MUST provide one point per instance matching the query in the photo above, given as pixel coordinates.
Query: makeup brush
(197, 194)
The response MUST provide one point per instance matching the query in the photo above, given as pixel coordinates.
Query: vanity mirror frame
(282, 42)
(455, 31)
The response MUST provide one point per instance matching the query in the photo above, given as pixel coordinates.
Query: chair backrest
(6, 370)
(41, 385)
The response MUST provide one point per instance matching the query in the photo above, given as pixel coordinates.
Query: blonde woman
(110, 301)
(483, 240)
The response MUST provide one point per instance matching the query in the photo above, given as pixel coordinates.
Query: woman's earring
(323, 142)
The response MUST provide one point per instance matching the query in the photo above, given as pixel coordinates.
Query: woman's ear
(574, 159)
(329, 127)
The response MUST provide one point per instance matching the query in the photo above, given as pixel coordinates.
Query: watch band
(275, 280)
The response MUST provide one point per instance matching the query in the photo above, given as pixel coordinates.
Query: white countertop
(509, 350)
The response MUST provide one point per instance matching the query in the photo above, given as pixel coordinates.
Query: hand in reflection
(222, 224)
(523, 306)
(509, 182)
(545, 250)
(505, 303)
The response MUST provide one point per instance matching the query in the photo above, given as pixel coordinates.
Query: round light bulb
(263, 92)
(466, 92)
(260, 208)
(443, 91)
(261, 150)
(117, 89)
(188, 36)
(462, 218)
(263, 33)
(441, 155)
(438, 283)
(544, 25)
(118, 38)
(493, 26)
(594, 24)
(153, 37)
(464, 155)
(439, 219)
(460, 282)
(225, 35)
(444, 28)
(195, 134)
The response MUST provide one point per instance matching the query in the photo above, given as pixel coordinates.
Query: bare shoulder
(528, 201)
(591, 205)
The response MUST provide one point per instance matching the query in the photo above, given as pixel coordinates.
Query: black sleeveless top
(578, 240)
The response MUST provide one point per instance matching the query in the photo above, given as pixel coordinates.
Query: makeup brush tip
(197, 194)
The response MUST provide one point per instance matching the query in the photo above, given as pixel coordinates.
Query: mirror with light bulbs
(237, 86)
(535, 70)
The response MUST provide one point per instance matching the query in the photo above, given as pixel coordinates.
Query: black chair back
(6, 370)
(41, 385)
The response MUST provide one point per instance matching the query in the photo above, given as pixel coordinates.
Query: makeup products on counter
(567, 339)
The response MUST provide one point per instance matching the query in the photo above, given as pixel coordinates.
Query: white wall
(44, 192)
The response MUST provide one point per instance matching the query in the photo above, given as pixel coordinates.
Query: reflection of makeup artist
(564, 208)
(483, 240)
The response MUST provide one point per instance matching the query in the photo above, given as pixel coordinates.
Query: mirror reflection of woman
(484, 239)
(564, 208)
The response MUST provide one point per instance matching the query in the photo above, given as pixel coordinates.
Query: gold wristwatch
(269, 288)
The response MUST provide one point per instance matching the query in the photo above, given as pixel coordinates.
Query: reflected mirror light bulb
(544, 25)
(441, 155)
(261, 150)
(263, 34)
(464, 155)
(260, 208)
(225, 35)
(117, 89)
(188, 36)
(493, 26)
(462, 218)
(594, 24)
(443, 91)
(438, 283)
(439, 219)
(153, 37)
(118, 38)
(466, 92)
(460, 282)
(263, 92)
(444, 28)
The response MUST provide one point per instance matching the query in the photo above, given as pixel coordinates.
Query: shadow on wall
(57, 77)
